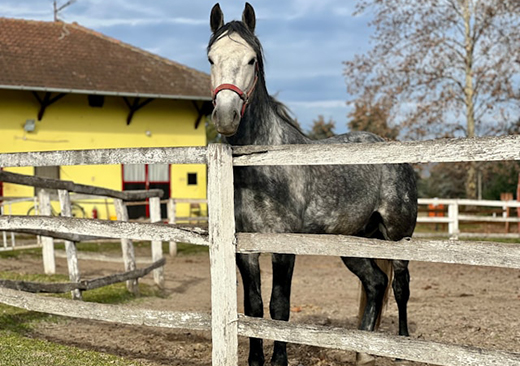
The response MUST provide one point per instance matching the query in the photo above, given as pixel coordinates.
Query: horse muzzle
(230, 103)
(230, 106)
(226, 119)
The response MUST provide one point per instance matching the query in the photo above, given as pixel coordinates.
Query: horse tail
(386, 266)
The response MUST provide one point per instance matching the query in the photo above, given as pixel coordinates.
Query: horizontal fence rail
(320, 336)
(449, 150)
(164, 155)
(49, 183)
(103, 312)
(471, 218)
(445, 251)
(105, 229)
(375, 343)
(467, 202)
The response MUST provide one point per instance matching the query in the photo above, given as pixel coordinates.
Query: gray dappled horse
(374, 201)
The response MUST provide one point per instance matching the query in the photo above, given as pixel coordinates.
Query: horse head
(234, 67)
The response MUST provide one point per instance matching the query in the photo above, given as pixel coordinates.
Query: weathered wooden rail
(83, 285)
(226, 324)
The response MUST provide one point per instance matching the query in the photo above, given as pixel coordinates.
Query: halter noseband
(243, 95)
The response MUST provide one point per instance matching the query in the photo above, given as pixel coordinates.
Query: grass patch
(17, 348)
(15, 320)
(188, 249)
(8, 254)
(107, 247)
(118, 294)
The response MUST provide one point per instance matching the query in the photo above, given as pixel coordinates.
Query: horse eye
(252, 62)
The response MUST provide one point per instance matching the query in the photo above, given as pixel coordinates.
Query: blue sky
(305, 41)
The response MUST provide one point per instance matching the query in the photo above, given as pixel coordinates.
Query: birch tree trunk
(471, 178)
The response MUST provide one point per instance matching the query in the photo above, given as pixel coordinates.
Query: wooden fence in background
(453, 217)
(71, 238)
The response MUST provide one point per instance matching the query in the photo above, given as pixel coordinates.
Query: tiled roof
(56, 56)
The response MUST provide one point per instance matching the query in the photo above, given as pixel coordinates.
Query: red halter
(243, 95)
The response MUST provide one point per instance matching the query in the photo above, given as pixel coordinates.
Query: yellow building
(65, 87)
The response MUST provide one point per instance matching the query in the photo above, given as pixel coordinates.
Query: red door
(145, 177)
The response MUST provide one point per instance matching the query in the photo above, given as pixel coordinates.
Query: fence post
(453, 214)
(12, 233)
(4, 233)
(70, 246)
(222, 251)
(49, 263)
(157, 254)
(171, 220)
(127, 246)
(37, 211)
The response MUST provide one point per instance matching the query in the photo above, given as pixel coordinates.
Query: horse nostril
(235, 115)
(214, 116)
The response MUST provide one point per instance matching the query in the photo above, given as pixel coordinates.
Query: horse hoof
(279, 360)
(256, 363)
(364, 359)
(259, 361)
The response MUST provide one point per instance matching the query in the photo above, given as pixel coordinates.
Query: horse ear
(249, 18)
(216, 18)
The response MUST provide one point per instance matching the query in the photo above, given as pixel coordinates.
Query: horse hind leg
(375, 283)
(279, 306)
(401, 287)
(401, 282)
(253, 305)
(386, 266)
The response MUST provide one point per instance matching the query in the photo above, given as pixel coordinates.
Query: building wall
(70, 123)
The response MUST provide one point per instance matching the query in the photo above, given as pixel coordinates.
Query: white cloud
(26, 11)
(318, 104)
(111, 22)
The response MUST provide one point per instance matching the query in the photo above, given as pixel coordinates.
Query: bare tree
(321, 129)
(444, 67)
(373, 119)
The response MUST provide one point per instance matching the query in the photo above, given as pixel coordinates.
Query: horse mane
(280, 109)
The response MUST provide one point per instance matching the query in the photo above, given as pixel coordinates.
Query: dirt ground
(476, 306)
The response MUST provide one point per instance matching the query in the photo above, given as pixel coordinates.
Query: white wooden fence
(225, 323)
(454, 218)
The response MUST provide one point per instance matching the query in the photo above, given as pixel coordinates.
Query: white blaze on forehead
(231, 56)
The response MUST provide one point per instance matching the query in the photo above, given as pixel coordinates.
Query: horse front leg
(279, 306)
(253, 305)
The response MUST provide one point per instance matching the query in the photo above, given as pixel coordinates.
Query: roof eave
(106, 93)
